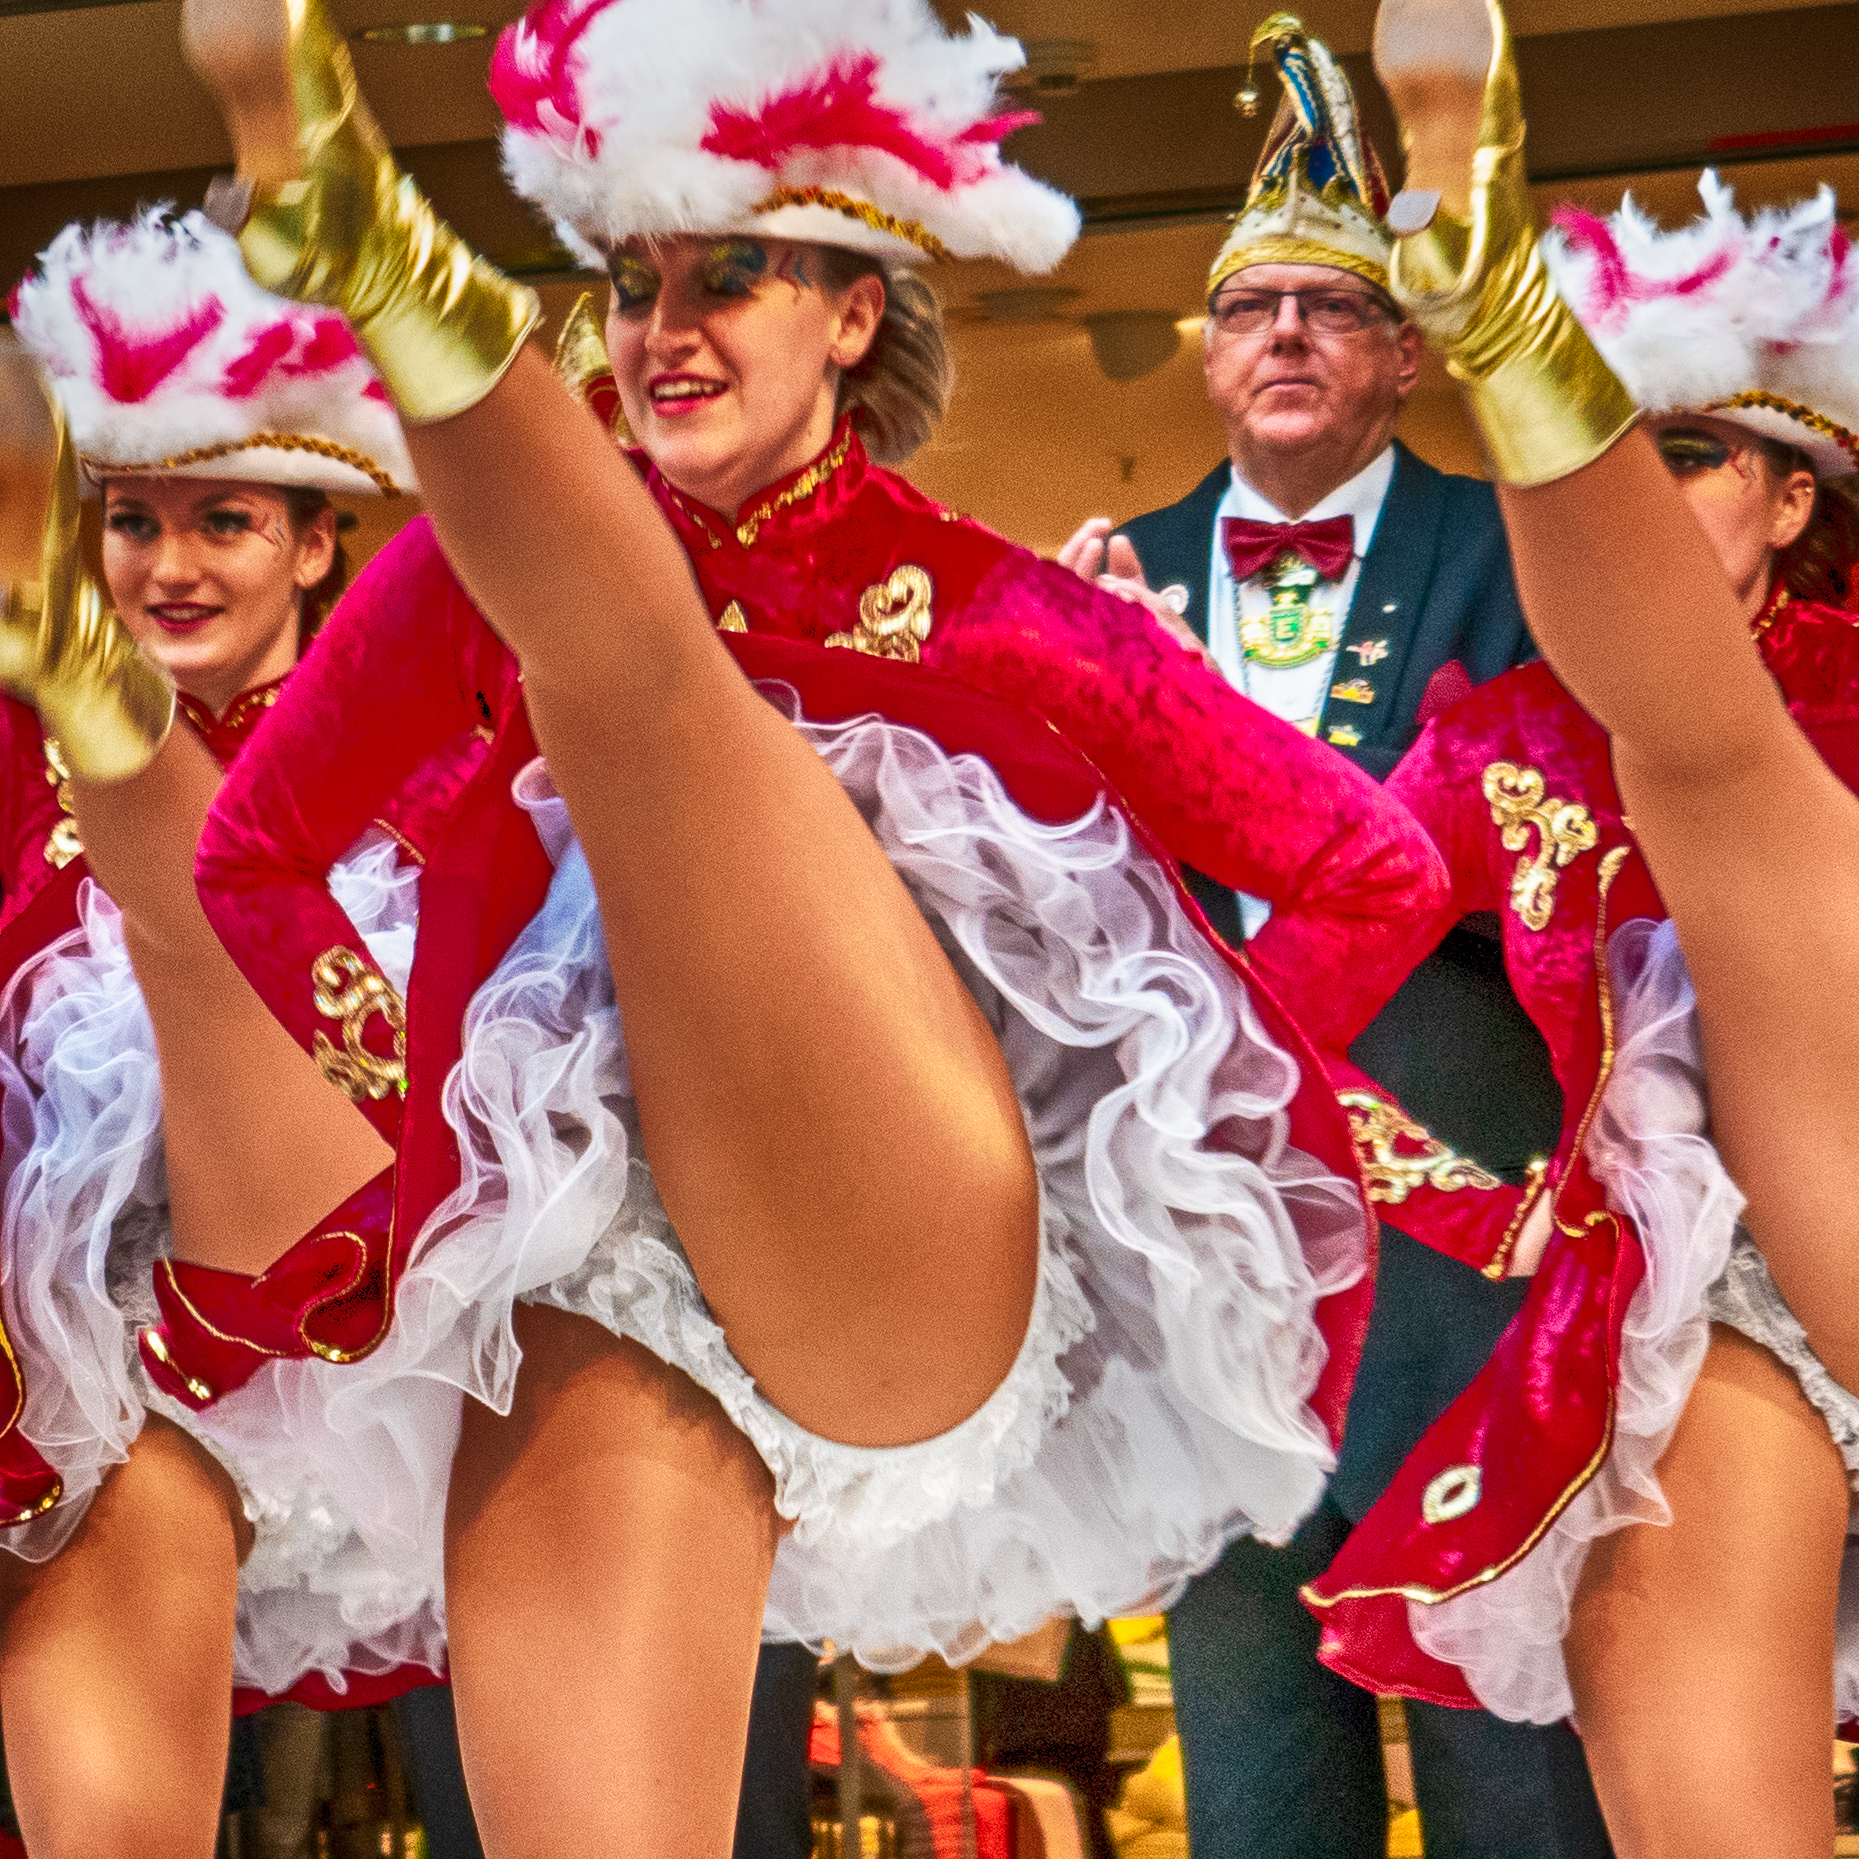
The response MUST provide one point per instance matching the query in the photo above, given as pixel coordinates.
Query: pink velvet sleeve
(1355, 885)
(402, 667)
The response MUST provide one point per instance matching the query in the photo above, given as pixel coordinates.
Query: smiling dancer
(1017, 1260)
(1644, 1501)
(150, 1104)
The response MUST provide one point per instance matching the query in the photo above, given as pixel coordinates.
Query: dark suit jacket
(1453, 1044)
(1435, 585)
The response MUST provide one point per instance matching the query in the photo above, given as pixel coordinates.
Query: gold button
(1454, 1492)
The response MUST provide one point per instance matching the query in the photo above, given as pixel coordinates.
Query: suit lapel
(1384, 616)
(1175, 544)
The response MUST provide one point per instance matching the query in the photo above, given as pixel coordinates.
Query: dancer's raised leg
(258, 1147)
(617, 1488)
(829, 1119)
(116, 1663)
(1743, 825)
(1701, 1652)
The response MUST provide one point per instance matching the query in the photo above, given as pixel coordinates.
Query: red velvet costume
(43, 872)
(1515, 783)
(1068, 693)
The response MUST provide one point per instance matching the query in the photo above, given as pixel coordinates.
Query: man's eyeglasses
(1688, 451)
(1322, 312)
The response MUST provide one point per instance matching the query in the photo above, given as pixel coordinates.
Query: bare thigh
(116, 1663)
(608, 1547)
(1701, 1653)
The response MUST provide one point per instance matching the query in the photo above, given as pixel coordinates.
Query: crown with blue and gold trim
(1318, 193)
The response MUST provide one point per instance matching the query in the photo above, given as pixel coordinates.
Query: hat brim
(305, 465)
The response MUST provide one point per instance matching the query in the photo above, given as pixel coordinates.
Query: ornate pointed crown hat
(857, 123)
(1318, 193)
(1754, 320)
(170, 362)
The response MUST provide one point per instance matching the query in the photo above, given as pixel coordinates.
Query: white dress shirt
(1295, 692)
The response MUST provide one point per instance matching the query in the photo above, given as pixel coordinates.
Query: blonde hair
(900, 390)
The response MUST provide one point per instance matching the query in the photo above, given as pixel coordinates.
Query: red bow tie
(1329, 546)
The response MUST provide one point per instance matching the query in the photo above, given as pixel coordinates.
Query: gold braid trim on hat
(875, 217)
(1289, 251)
(1843, 437)
(259, 441)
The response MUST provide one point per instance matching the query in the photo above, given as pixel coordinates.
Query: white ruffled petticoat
(1159, 1405)
(1650, 1151)
(85, 1218)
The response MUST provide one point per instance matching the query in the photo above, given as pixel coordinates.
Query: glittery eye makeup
(733, 267)
(635, 283)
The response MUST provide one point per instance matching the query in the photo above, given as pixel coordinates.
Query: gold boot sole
(1434, 59)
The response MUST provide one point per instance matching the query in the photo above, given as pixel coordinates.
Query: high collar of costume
(226, 735)
(790, 507)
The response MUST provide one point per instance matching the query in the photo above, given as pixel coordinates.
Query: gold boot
(1466, 265)
(323, 215)
(61, 647)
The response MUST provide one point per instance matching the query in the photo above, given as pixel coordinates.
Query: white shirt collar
(1360, 500)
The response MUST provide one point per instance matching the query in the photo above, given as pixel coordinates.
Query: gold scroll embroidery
(893, 616)
(347, 990)
(1519, 801)
(62, 845)
(1393, 1174)
(732, 620)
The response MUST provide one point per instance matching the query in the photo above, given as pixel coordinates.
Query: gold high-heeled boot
(1466, 266)
(323, 215)
(62, 648)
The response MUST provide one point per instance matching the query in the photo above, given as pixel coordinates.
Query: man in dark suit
(1348, 586)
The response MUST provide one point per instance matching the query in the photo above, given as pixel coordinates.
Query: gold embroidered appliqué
(1519, 801)
(348, 990)
(62, 844)
(893, 616)
(1393, 1174)
(731, 620)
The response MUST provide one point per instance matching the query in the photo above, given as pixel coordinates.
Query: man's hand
(1097, 554)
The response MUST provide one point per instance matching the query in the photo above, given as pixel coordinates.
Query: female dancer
(150, 1101)
(1696, 1609)
(1010, 1218)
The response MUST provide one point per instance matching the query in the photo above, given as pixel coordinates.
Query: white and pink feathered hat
(1754, 320)
(857, 123)
(171, 362)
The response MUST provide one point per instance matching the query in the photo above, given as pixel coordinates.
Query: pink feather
(530, 75)
(1616, 284)
(837, 107)
(296, 346)
(132, 367)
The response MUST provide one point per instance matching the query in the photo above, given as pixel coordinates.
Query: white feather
(151, 276)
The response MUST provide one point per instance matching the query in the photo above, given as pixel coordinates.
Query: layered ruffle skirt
(1651, 1151)
(1158, 1406)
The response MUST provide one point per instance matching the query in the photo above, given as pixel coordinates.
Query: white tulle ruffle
(1159, 1404)
(1650, 1150)
(86, 1217)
